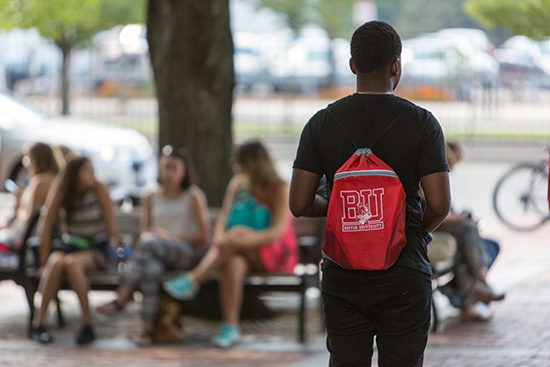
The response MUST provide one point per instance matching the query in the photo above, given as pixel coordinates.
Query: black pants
(394, 305)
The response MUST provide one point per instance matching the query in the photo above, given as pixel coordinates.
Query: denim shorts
(393, 306)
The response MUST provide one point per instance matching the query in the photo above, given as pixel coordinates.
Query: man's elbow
(297, 209)
(441, 210)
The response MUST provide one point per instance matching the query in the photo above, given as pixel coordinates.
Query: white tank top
(175, 214)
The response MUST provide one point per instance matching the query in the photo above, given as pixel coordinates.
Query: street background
(489, 89)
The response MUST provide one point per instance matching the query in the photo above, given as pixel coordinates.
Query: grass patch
(149, 128)
(266, 130)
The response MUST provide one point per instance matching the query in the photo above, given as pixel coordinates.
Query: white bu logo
(362, 211)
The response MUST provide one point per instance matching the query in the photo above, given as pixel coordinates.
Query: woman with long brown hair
(42, 169)
(83, 208)
(253, 232)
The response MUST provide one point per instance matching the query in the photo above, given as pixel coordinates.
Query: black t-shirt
(413, 147)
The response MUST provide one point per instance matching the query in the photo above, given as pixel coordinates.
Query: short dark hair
(374, 45)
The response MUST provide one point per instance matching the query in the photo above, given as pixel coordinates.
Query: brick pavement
(518, 336)
(268, 342)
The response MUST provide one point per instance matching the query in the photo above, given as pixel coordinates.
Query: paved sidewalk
(518, 336)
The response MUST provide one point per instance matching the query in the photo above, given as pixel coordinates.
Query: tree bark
(191, 51)
(66, 52)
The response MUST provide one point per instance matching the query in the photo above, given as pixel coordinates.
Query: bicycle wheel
(520, 197)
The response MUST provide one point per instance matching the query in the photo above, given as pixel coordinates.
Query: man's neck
(374, 88)
(374, 85)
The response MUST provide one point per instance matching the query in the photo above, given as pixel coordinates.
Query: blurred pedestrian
(392, 305)
(253, 232)
(83, 209)
(175, 233)
(42, 168)
(474, 256)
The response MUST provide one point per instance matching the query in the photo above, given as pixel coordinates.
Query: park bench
(309, 232)
(306, 274)
(21, 268)
(441, 252)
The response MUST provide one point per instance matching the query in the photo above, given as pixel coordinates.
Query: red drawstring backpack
(365, 227)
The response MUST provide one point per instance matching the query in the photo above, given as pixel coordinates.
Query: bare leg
(231, 283)
(213, 260)
(124, 293)
(49, 285)
(76, 266)
(231, 288)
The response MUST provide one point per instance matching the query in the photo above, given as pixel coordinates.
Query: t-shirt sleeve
(432, 157)
(308, 156)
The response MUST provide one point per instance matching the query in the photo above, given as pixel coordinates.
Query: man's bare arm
(437, 192)
(303, 198)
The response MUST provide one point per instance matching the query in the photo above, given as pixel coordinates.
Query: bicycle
(520, 198)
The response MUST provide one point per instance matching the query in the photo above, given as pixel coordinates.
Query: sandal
(110, 308)
(144, 340)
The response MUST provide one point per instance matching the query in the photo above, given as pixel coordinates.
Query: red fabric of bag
(365, 227)
(4, 248)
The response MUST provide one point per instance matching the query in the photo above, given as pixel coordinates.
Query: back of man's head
(374, 45)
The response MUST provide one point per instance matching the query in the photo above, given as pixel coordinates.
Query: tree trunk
(332, 77)
(191, 51)
(66, 52)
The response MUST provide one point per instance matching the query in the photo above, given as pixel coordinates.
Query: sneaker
(228, 336)
(478, 312)
(85, 336)
(41, 335)
(182, 288)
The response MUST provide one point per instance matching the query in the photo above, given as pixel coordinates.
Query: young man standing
(392, 305)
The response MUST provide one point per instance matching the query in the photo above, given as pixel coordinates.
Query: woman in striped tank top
(83, 208)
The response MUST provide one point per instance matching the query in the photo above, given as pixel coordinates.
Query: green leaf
(530, 18)
(70, 22)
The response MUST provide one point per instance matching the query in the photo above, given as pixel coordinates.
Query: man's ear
(396, 67)
(352, 66)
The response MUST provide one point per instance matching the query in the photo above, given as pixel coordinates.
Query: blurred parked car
(448, 64)
(303, 64)
(525, 62)
(123, 158)
(3, 79)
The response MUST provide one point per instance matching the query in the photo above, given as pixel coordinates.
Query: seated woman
(175, 230)
(263, 242)
(42, 167)
(84, 209)
(474, 257)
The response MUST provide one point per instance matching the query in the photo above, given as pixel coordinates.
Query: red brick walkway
(518, 336)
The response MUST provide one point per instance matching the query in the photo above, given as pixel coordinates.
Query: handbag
(168, 325)
(70, 243)
(247, 211)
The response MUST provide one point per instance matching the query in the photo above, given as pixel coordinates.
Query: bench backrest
(309, 231)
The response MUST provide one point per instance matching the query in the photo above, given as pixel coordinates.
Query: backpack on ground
(366, 217)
